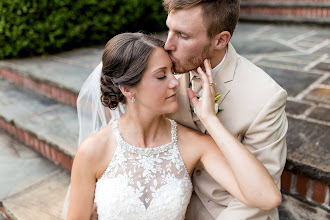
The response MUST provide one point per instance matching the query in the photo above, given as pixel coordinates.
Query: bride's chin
(173, 108)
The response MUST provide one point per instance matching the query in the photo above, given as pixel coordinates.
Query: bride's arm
(82, 183)
(236, 169)
(233, 166)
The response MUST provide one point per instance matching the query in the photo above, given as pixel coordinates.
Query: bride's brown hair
(125, 59)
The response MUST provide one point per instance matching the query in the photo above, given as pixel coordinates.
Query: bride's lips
(172, 96)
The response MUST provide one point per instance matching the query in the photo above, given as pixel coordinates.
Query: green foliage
(31, 27)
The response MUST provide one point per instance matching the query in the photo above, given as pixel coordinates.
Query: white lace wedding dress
(144, 183)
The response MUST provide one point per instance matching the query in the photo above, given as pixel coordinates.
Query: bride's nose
(174, 83)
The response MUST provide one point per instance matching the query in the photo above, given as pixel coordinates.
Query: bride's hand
(204, 108)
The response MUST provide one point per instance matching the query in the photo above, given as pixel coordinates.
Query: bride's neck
(143, 130)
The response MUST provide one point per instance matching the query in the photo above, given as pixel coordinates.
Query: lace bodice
(144, 183)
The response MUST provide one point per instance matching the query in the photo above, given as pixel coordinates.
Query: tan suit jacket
(253, 112)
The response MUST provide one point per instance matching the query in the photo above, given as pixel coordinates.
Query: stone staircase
(37, 108)
(286, 11)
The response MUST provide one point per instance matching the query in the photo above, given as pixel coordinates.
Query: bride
(139, 167)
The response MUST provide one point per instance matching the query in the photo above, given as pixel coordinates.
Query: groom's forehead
(180, 20)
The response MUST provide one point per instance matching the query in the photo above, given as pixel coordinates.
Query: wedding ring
(212, 83)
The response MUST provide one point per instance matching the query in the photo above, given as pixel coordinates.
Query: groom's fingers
(192, 97)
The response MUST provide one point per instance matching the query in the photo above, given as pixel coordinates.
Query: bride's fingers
(192, 96)
(208, 69)
(203, 76)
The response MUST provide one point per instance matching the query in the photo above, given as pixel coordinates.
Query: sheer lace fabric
(144, 183)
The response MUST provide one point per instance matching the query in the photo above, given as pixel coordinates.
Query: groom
(253, 104)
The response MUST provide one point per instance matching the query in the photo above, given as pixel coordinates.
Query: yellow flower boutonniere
(216, 106)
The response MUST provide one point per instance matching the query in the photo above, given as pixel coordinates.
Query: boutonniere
(216, 106)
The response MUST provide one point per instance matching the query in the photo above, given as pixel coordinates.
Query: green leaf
(217, 97)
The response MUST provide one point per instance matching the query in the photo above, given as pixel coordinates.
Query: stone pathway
(297, 57)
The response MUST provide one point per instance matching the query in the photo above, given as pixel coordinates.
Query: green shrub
(32, 27)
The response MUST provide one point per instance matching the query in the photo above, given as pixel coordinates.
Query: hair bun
(110, 93)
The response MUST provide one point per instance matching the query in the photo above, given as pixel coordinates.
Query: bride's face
(158, 86)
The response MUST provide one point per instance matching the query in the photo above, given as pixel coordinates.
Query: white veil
(92, 115)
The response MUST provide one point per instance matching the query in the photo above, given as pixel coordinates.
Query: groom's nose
(169, 44)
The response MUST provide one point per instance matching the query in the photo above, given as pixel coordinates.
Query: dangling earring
(133, 99)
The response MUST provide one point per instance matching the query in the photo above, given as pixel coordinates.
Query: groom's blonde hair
(218, 15)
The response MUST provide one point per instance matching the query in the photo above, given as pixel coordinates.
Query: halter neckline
(146, 151)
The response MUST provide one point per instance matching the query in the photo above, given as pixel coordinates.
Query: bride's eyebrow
(158, 69)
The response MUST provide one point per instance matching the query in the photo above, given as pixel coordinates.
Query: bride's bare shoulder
(191, 136)
(96, 145)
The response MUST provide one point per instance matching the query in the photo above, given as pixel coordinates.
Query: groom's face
(187, 41)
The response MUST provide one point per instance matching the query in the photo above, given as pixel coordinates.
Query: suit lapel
(220, 88)
(226, 73)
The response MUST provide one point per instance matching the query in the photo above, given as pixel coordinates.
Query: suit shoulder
(255, 76)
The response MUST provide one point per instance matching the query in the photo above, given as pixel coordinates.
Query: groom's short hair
(218, 15)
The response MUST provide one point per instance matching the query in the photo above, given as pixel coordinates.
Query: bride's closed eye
(163, 76)
(160, 78)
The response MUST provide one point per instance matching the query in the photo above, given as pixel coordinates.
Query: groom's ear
(127, 92)
(221, 40)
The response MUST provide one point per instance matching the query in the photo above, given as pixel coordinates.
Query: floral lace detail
(144, 183)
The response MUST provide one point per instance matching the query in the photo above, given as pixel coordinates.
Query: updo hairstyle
(125, 59)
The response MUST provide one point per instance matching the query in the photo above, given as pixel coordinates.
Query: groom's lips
(172, 58)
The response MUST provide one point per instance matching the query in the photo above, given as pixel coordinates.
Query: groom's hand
(94, 215)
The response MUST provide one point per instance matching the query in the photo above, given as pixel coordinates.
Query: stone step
(57, 76)
(43, 200)
(293, 209)
(49, 127)
(32, 187)
(304, 12)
